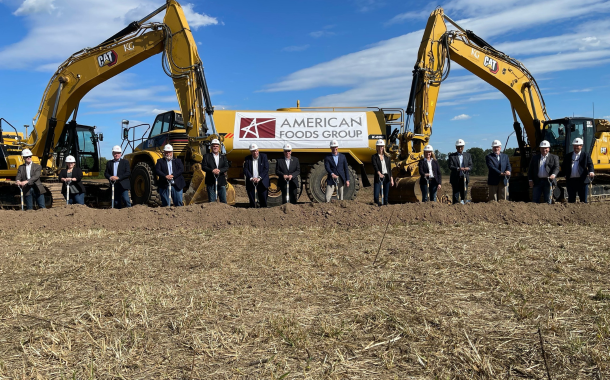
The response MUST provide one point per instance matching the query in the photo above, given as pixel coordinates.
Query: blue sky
(263, 55)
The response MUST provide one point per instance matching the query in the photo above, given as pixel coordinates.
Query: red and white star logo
(256, 128)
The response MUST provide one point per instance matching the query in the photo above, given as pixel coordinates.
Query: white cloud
(321, 33)
(73, 25)
(402, 17)
(296, 48)
(380, 73)
(583, 90)
(35, 6)
(461, 117)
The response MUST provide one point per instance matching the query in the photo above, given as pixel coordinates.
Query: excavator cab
(79, 141)
(561, 132)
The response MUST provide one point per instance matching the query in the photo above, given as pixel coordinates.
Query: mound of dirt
(343, 214)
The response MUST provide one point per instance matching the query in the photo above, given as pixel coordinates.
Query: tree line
(479, 167)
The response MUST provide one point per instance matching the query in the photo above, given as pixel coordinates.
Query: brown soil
(336, 214)
(218, 292)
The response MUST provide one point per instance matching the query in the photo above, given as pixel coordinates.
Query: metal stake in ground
(68, 193)
(112, 182)
(169, 182)
(21, 191)
(384, 233)
(381, 182)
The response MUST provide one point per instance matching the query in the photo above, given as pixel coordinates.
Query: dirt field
(294, 292)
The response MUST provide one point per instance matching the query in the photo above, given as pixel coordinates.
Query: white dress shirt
(575, 166)
(542, 168)
(255, 168)
(217, 159)
(461, 158)
(287, 166)
(384, 169)
(116, 167)
(28, 171)
(429, 162)
(169, 168)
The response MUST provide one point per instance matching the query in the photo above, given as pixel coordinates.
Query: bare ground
(217, 292)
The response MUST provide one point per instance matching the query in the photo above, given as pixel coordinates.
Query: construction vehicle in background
(55, 135)
(440, 46)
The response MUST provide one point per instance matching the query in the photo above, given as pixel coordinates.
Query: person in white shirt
(28, 178)
(256, 171)
(578, 168)
(383, 173)
(542, 171)
(215, 166)
(288, 170)
(429, 170)
(460, 165)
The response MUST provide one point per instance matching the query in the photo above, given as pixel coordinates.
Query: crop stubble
(458, 292)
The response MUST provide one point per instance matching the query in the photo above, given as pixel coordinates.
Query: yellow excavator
(56, 133)
(439, 47)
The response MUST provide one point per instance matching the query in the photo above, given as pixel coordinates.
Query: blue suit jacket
(177, 170)
(263, 170)
(496, 168)
(340, 169)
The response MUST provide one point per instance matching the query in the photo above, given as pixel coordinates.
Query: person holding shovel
(28, 179)
(72, 186)
(543, 169)
(118, 173)
(430, 171)
(336, 166)
(460, 164)
(383, 174)
(169, 170)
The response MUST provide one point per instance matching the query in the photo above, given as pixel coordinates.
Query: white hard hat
(287, 147)
(253, 146)
(215, 141)
(544, 144)
(428, 148)
(460, 142)
(116, 149)
(496, 143)
(26, 153)
(380, 142)
(70, 159)
(168, 148)
(334, 144)
(577, 141)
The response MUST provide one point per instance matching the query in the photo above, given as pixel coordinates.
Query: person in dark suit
(460, 165)
(118, 171)
(543, 169)
(170, 171)
(338, 173)
(28, 178)
(215, 166)
(72, 177)
(430, 172)
(256, 170)
(287, 171)
(578, 169)
(499, 172)
(383, 173)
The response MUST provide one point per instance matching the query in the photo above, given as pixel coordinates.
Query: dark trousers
(542, 188)
(262, 195)
(377, 192)
(459, 190)
(577, 186)
(290, 193)
(34, 194)
(222, 193)
(428, 193)
(121, 197)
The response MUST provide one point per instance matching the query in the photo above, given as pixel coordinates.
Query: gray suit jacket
(551, 167)
(34, 178)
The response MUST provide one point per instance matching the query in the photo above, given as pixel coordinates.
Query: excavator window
(157, 126)
(554, 133)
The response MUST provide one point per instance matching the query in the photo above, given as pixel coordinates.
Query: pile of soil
(341, 214)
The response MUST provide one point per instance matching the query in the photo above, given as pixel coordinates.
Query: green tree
(103, 161)
(479, 168)
(442, 161)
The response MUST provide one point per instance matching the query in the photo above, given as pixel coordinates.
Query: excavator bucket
(197, 191)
